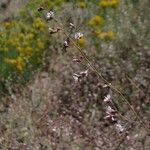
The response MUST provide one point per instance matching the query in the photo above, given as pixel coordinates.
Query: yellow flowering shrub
(20, 42)
(23, 41)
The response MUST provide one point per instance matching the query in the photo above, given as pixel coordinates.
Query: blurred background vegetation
(41, 107)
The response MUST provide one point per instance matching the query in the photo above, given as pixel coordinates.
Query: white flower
(66, 44)
(78, 35)
(76, 60)
(110, 110)
(106, 85)
(50, 15)
(119, 127)
(110, 117)
(71, 25)
(76, 77)
(84, 73)
(107, 98)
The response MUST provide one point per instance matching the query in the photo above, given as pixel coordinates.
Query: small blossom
(107, 35)
(110, 118)
(76, 60)
(76, 77)
(81, 42)
(128, 138)
(54, 129)
(66, 44)
(107, 99)
(119, 127)
(50, 15)
(84, 73)
(96, 20)
(105, 4)
(106, 85)
(110, 110)
(71, 25)
(78, 36)
(54, 30)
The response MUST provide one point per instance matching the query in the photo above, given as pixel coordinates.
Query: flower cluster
(78, 36)
(108, 3)
(104, 35)
(50, 15)
(111, 114)
(96, 20)
(81, 75)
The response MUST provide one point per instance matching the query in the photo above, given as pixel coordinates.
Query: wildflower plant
(112, 116)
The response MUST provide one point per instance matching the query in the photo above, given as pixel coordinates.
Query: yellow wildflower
(107, 35)
(81, 42)
(81, 4)
(108, 3)
(96, 20)
(97, 32)
(114, 3)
